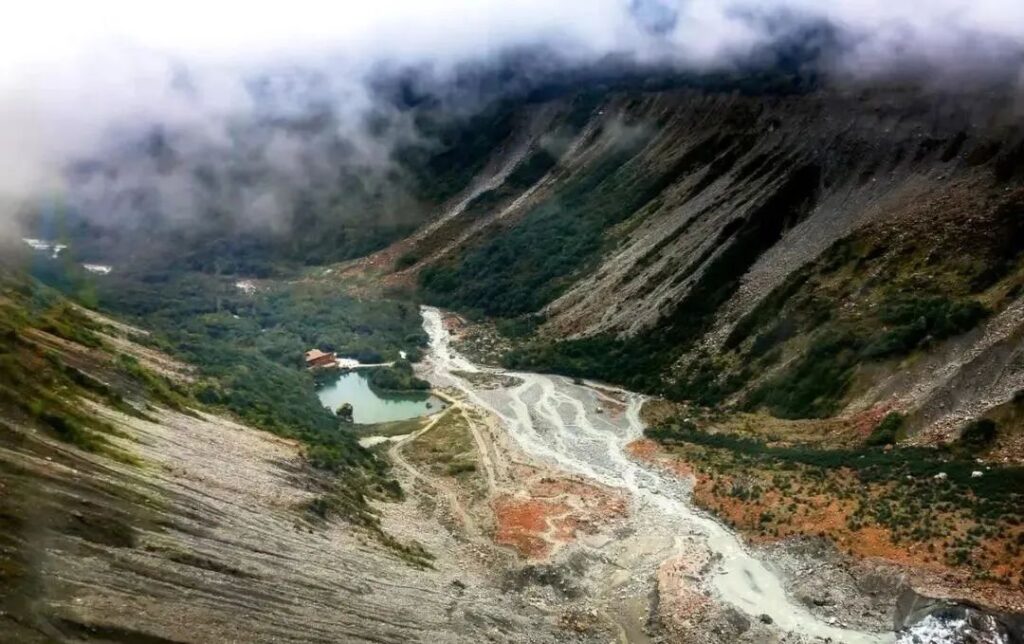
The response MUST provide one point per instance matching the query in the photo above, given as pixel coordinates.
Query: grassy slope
(40, 384)
(52, 357)
(876, 298)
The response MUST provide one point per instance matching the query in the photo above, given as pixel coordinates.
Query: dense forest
(248, 343)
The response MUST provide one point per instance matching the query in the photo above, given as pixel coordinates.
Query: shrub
(916, 320)
(978, 434)
(344, 413)
(813, 386)
(886, 431)
(71, 431)
(398, 377)
(407, 260)
(520, 327)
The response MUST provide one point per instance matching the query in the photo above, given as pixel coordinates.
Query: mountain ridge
(735, 193)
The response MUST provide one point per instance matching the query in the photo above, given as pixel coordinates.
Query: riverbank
(905, 509)
(372, 405)
(624, 564)
(946, 523)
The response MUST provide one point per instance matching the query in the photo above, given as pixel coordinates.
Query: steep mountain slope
(126, 515)
(824, 284)
(809, 253)
(827, 286)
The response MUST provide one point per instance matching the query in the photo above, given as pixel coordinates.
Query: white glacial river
(558, 422)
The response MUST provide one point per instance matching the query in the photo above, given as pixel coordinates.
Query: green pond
(370, 406)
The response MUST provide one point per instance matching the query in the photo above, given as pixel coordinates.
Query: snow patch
(42, 244)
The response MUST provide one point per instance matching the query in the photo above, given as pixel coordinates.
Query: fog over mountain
(526, 322)
(81, 82)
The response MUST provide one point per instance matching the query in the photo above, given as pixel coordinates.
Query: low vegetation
(869, 302)
(248, 346)
(887, 431)
(978, 435)
(447, 449)
(397, 377)
(46, 348)
(931, 503)
(527, 265)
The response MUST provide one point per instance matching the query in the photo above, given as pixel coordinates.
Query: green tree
(344, 412)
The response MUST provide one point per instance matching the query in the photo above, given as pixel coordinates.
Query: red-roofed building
(317, 358)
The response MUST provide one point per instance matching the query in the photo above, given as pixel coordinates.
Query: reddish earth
(551, 512)
(650, 452)
(774, 514)
(453, 323)
(866, 421)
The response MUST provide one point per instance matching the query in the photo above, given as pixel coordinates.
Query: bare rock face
(920, 618)
(825, 164)
(206, 539)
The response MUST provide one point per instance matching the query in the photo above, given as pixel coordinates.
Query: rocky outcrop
(920, 618)
(682, 607)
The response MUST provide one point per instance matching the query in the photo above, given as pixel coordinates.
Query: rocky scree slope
(126, 515)
(812, 254)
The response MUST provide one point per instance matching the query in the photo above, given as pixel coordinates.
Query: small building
(317, 358)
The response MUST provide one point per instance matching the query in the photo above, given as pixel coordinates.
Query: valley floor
(541, 521)
(535, 468)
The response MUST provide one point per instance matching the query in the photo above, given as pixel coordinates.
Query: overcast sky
(71, 69)
(53, 31)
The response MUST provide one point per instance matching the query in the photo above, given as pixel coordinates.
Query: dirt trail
(437, 484)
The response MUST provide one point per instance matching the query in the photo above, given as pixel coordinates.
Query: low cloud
(85, 80)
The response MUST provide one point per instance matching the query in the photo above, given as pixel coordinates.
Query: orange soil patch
(527, 524)
(650, 452)
(774, 515)
(644, 449)
(551, 512)
(866, 421)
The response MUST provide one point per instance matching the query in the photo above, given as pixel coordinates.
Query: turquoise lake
(369, 406)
